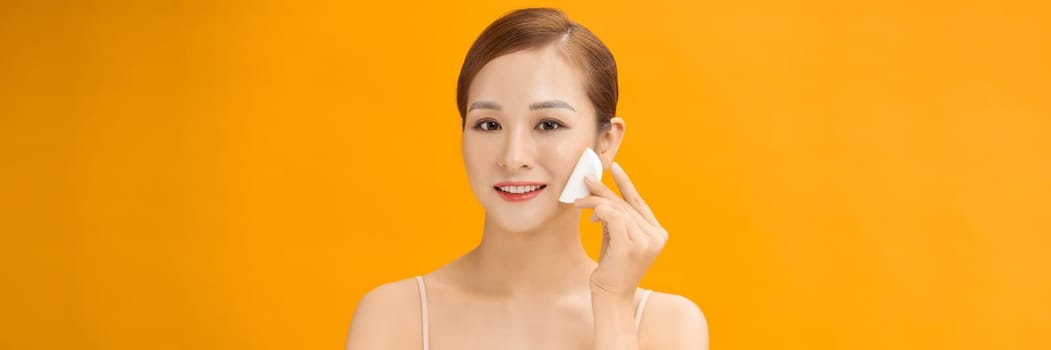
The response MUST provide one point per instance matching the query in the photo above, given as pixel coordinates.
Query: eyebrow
(532, 107)
(551, 104)
(484, 105)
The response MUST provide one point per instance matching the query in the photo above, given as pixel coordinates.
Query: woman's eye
(488, 125)
(548, 125)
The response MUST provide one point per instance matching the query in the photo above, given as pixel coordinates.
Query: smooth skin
(529, 284)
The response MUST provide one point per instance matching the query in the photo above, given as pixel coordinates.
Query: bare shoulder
(387, 317)
(672, 321)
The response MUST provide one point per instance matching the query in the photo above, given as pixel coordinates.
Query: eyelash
(556, 125)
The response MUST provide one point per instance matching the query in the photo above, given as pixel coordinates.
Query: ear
(609, 142)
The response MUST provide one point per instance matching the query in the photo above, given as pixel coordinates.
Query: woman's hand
(631, 235)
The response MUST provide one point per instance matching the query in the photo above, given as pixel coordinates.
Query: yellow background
(236, 175)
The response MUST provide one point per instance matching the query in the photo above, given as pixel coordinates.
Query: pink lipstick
(518, 191)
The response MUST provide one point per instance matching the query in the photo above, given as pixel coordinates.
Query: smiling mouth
(519, 189)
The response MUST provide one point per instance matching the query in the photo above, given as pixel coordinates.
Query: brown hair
(534, 28)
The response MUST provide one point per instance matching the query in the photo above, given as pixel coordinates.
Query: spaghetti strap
(642, 306)
(423, 313)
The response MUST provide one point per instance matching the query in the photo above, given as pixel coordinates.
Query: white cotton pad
(589, 164)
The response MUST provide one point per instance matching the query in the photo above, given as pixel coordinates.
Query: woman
(535, 91)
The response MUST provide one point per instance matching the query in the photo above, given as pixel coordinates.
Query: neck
(548, 261)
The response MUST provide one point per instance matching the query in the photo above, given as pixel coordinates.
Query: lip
(519, 197)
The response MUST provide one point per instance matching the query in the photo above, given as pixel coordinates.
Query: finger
(600, 191)
(635, 231)
(614, 221)
(591, 202)
(598, 188)
(627, 212)
(631, 194)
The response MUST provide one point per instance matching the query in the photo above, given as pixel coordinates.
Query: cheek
(475, 157)
(563, 153)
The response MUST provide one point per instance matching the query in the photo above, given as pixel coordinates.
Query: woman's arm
(631, 240)
(614, 321)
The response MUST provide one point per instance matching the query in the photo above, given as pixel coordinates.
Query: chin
(521, 221)
(515, 223)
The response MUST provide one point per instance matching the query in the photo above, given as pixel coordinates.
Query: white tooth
(520, 189)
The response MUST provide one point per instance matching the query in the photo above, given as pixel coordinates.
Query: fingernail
(617, 166)
(589, 178)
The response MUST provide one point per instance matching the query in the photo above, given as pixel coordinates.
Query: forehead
(528, 76)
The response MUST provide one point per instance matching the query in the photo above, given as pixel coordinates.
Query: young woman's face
(528, 121)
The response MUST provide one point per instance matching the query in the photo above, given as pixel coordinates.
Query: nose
(519, 151)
